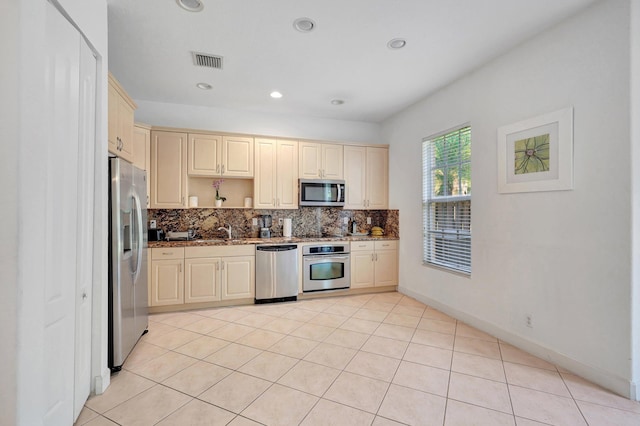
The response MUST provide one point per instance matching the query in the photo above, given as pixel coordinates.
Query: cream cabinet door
(309, 160)
(201, 280)
(113, 105)
(204, 155)
(167, 282)
(332, 161)
(264, 184)
(287, 174)
(238, 277)
(168, 170)
(237, 156)
(362, 269)
(386, 267)
(125, 124)
(142, 153)
(320, 161)
(120, 130)
(355, 176)
(377, 171)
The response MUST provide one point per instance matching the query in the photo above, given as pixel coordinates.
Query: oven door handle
(312, 258)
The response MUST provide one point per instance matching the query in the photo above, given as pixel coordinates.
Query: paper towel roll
(286, 227)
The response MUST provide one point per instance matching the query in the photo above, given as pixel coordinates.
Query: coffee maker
(265, 226)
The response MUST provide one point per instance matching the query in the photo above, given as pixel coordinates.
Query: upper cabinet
(121, 109)
(276, 180)
(220, 156)
(142, 152)
(320, 161)
(366, 172)
(168, 170)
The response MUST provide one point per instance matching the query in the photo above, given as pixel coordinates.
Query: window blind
(446, 201)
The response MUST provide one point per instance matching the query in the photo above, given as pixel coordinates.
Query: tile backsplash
(306, 221)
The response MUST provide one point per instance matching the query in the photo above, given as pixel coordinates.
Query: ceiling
(345, 57)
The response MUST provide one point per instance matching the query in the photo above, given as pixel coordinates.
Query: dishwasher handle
(286, 247)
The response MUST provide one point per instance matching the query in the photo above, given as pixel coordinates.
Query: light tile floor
(381, 359)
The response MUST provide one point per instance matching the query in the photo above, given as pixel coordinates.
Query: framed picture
(537, 154)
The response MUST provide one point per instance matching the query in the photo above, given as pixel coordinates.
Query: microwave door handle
(339, 192)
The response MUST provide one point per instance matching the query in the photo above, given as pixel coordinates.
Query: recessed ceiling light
(397, 43)
(304, 25)
(337, 102)
(204, 86)
(276, 95)
(191, 5)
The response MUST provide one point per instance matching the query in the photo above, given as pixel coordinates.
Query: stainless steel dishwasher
(276, 273)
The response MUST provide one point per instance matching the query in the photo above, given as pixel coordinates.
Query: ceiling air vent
(207, 60)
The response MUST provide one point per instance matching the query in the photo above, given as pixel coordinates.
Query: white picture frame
(536, 154)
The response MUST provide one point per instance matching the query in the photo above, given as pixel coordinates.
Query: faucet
(228, 231)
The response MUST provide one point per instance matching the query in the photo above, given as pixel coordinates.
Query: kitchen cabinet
(202, 280)
(366, 173)
(120, 132)
(220, 156)
(142, 151)
(238, 277)
(276, 176)
(215, 273)
(374, 263)
(167, 276)
(168, 170)
(320, 161)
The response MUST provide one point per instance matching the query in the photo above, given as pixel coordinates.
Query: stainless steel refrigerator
(128, 303)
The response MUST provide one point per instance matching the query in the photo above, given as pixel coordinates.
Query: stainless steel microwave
(322, 192)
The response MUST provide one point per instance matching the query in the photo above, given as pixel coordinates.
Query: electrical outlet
(345, 220)
(152, 224)
(368, 221)
(529, 320)
(254, 221)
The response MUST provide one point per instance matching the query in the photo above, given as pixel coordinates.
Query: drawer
(167, 253)
(362, 245)
(220, 251)
(386, 245)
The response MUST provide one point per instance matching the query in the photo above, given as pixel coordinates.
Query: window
(446, 200)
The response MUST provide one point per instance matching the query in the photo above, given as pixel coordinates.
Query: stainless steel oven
(326, 267)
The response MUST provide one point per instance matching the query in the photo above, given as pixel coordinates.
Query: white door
(61, 207)
(87, 131)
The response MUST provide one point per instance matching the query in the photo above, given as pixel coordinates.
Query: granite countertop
(275, 240)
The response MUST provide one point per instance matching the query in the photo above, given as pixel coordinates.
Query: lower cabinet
(167, 276)
(374, 263)
(202, 274)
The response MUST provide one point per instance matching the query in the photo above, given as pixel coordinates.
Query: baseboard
(100, 383)
(614, 383)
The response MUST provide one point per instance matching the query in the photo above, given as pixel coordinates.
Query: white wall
(26, 151)
(235, 121)
(562, 256)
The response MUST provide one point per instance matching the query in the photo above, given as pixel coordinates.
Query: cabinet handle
(180, 264)
(222, 265)
(376, 257)
(218, 266)
(217, 168)
(164, 253)
(183, 200)
(222, 169)
(372, 257)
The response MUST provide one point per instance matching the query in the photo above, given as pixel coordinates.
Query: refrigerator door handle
(138, 236)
